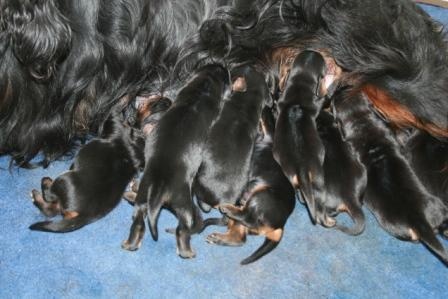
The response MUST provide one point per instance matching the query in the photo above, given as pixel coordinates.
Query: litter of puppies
(273, 102)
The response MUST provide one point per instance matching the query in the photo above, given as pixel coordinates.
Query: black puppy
(297, 145)
(345, 179)
(268, 201)
(429, 159)
(96, 180)
(394, 194)
(146, 116)
(225, 167)
(174, 154)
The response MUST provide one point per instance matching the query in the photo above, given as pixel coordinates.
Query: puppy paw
(224, 240)
(186, 254)
(33, 195)
(126, 245)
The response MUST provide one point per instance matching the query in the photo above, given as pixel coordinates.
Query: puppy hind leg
(234, 212)
(358, 217)
(235, 235)
(49, 209)
(189, 220)
(426, 235)
(137, 230)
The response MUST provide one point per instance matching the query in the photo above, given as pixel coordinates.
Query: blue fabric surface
(310, 262)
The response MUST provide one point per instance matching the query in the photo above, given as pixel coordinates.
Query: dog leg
(137, 231)
(130, 196)
(45, 185)
(190, 222)
(235, 235)
(49, 209)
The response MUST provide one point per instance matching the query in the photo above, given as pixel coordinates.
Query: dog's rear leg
(49, 209)
(137, 231)
(235, 235)
(190, 222)
(47, 204)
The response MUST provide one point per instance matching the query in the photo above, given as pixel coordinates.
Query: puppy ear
(40, 35)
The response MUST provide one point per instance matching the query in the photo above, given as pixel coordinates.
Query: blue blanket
(310, 262)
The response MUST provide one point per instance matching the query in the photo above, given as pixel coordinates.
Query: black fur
(96, 180)
(65, 64)
(225, 166)
(269, 198)
(297, 145)
(390, 44)
(174, 154)
(345, 179)
(394, 194)
(429, 159)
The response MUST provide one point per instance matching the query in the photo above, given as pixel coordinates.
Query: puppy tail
(359, 222)
(154, 209)
(63, 226)
(267, 246)
(428, 237)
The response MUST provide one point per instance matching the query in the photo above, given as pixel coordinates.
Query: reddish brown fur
(396, 113)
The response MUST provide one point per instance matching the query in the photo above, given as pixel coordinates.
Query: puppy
(96, 180)
(345, 179)
(394, 194)
(225, 167)
(429, 159)
(268, 201)
(174, 154)
(146, 116)
(297, 145)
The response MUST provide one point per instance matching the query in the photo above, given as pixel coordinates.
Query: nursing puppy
(174, 154)
(225, 167)
(345, 179)
(147, 115)
(394, 194)
(96, 180)
(266, 204)
(429, 159)
(297, 145)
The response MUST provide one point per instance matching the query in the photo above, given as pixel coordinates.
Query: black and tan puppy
(96, 180)
(394, 194)
(268, 201)
(297, 145)
(345, 179)
(146, 116)
(429, 159)
(174, 154)
(225, 167)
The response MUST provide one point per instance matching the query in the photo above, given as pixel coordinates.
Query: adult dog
(389, 50)
(65, 64)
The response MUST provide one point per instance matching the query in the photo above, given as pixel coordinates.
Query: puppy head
(217, 80)
(311, 64)
(150, 111)
(248, 78)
